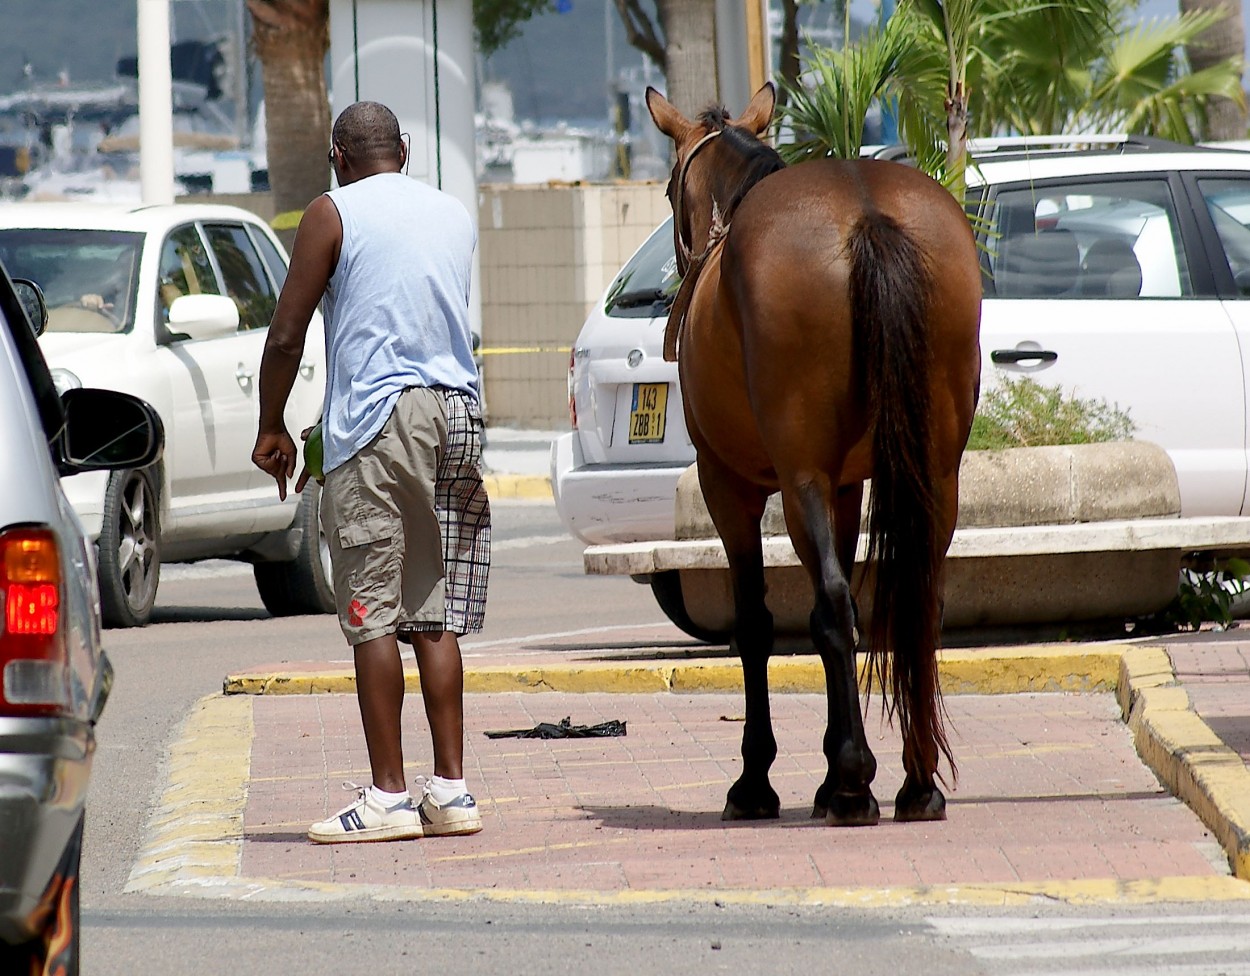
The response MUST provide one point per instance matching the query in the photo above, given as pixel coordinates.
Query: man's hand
(275, 455)
(302, 480)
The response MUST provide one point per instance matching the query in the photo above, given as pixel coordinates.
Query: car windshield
(646, 285)
(89, 277)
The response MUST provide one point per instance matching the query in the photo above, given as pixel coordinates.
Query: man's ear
(665, 115)
(759, 114)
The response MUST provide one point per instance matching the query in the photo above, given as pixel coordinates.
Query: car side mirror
(204, 316)
(33, 304)
(106, 429)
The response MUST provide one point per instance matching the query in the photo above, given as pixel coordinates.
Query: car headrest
(1037, 265)
(1111, 270)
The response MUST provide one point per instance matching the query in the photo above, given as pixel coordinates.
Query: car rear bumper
(606, 503)
(44, 768)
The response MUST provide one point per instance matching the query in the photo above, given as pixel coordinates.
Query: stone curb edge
(1184, 752)
(990, 672)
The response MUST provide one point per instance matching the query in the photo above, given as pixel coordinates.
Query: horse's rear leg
(736, 507)
(920, 798)
(845, 798)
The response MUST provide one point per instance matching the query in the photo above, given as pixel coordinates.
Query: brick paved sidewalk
(1050, 789)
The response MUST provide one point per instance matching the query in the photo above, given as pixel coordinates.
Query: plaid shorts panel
(464, 517)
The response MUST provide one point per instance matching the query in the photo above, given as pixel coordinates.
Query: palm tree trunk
(1226, 39)
(690, 35)
(291, 38)
(788, 64)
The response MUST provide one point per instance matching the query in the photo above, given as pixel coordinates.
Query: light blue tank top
(397, 306)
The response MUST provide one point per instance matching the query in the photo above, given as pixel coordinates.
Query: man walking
(403, 505)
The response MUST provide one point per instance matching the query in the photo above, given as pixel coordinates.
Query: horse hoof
(734, 812)
(819, 811)
(853, 810)
(930, 805)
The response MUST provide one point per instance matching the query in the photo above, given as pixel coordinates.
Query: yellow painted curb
(1186, 755)
(992, 672)
(196, 829)
(523, 487)
(1079, 893)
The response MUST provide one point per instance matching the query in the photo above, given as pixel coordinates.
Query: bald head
(368, 133)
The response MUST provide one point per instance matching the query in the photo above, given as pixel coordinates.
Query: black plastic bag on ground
(561, 730)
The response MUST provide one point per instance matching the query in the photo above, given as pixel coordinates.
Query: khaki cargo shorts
(379, 512)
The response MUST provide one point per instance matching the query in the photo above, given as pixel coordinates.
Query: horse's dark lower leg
(752, 797)
(736, 507)
(845, 797)
(919, 798)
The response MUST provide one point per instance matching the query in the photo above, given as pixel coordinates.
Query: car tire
(129, 549)
(666, 587)
(304, 584)
(56, 948)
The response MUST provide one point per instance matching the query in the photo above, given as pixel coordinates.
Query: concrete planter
(1055, 570)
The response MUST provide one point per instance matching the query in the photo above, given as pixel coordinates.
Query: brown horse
(827, 326)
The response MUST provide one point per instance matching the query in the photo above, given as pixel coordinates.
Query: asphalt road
(210, 622)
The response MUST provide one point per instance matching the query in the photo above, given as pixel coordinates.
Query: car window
(243, 274)
(1228, 202)
(1117, 240)
(273, 258)
(89, 277)
(185, 268)
(646, 285)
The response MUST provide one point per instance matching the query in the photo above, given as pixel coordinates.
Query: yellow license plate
(647, 413)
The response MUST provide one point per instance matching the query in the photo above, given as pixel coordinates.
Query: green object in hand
(314, 457)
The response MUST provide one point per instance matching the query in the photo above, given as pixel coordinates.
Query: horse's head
(705, 195)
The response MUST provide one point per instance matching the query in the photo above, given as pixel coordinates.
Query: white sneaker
(458, 816)
(366, 820)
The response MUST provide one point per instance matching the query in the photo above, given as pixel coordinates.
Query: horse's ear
(759, 114)
(667, 119)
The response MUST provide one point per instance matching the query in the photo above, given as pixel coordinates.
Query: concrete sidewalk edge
(995, 671)
(1184, 752)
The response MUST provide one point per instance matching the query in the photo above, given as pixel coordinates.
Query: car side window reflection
(243, 274)
(185, 268)
(1112, 240)
(1228, 202)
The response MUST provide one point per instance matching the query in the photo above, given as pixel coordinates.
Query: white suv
(1118, 272)
(172, 304)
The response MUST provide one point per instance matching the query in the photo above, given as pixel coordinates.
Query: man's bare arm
(313, 259)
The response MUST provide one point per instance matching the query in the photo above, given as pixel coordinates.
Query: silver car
(54, 676)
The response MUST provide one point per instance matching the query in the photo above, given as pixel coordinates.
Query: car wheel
(55, 950)
(129, 547)
(666, 587)
(304, 584)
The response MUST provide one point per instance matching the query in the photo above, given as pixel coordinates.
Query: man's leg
(380, 691)
(442, 690)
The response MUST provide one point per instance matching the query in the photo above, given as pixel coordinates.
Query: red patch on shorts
(356, 613)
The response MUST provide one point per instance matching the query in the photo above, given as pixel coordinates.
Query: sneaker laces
(361, 792)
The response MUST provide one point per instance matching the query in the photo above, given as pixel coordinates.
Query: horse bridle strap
(685, 254)
(685, 293)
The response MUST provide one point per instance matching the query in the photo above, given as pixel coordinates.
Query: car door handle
(242, 373)
(307, 368)
(1004, 356)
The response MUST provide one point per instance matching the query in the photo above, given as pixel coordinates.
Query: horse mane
(759, 158)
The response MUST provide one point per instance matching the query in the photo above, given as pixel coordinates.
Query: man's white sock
(387, 800)
(446, 790)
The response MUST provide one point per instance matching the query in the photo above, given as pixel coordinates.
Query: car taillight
(572, 398)
(33, 665)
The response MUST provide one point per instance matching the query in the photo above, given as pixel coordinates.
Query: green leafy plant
(1205, 595)
(1025, 413)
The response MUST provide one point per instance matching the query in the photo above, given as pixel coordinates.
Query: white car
(172, 304)
(1120, 272)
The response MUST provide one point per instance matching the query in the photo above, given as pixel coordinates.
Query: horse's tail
(890, 288)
